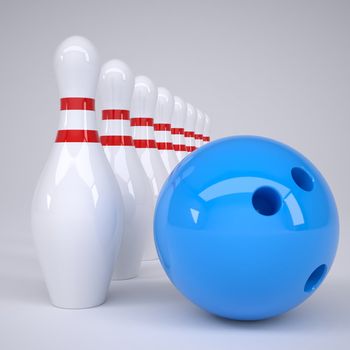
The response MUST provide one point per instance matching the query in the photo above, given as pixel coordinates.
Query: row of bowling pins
(160, 132)
(92, 211)
(179, 127)
(176, 127)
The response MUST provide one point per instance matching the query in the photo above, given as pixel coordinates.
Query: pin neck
(163, 136)
(143, 132)
(179, 143)
(116, 128)
(190, 141)
(77, 121)
(198, 140)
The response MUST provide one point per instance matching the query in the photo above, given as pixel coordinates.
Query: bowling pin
(116, 87)
(143, 104)
(190, 123)
(77, 212)
(162, 128)
(199, 128)
(206, 131)
(177, 128)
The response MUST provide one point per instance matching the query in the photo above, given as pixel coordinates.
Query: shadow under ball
(246, 228)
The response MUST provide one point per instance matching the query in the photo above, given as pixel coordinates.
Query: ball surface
(246, 228)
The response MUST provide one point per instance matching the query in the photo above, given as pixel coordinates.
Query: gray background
(274, 68)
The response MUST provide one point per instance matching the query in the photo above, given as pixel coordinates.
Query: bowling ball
(246, 228)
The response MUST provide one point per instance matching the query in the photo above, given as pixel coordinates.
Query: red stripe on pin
(189, 133)
(141, 121)
(112, 140)
(77, 136)
(198, 136)
(206, 138)
(165, 146)
(177, 131)
(180, 148)
(145, 144)
(162, 127)
(77, 103)
(190, 148)
(115, 114)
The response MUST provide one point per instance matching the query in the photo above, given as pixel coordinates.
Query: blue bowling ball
(246, 228)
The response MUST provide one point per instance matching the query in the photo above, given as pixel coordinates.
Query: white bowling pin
(162, 128)
(142, 113)
(206, 131)
(190, 123)
(116, 87)
(77, 209)
(177, 128)
(199, 128)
